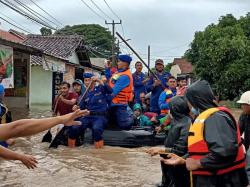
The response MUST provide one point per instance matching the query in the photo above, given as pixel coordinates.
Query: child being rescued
(140, 120)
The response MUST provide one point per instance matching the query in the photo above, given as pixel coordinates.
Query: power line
(15, 25)
(23, 13)
(46, 12)
(93, 10)
(176, 47)
(100, 9)
(90, 48)
(15, 22)
(111, 9)
(34, 13)
(116, 16)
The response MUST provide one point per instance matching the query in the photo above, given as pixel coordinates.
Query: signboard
(56, 81)
(6, 66)
(69, 75)
(52, 64)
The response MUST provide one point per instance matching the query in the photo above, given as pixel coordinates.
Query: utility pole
(113, 23)
(148, 58)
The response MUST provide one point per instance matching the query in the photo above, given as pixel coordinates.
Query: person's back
(176, 142)
(216, 155)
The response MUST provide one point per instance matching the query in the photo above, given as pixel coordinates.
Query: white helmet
(245, 98)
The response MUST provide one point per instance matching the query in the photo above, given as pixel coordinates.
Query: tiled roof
(12, 35)
(58, 46)
(185, 66)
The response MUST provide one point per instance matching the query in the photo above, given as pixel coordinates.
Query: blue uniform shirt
(139, 87)
(156, 91)
(96, 100)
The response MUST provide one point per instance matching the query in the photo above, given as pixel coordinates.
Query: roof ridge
(55, 36)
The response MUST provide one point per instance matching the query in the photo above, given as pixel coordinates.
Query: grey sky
(167, 25)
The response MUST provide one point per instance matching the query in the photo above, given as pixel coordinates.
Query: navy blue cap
(125, 58)
(87, 75)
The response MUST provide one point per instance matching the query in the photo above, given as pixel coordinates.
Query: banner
(6, 66)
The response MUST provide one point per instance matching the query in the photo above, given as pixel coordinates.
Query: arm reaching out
(26, 127)
(28, 160)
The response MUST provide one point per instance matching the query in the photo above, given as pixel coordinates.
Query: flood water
(82, 166)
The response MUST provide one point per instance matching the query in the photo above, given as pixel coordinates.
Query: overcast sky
(168, 26)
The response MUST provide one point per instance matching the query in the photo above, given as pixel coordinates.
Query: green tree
(45, 31)
(221, 55)
(96, 37)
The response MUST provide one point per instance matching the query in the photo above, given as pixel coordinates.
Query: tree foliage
(96, 37)
(45, 31)
(221, 55)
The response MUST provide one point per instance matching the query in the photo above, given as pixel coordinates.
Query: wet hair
(138, 62)
(65, 83)
(171, 77)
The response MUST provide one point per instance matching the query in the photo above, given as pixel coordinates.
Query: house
(65, 58)
(181, 67)
(12, 35)
(97, 65)
(15, 71)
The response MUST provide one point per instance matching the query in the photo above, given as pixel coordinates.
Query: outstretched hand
(155, 151)
(69, 119)
(173, 159)
(29, 161)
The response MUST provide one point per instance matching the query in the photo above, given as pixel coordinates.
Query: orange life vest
(197, 146)
(126, 94)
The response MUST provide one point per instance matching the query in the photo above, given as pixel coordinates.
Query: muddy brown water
(82, 166)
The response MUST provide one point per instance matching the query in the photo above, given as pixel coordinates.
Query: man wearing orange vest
(216, 155)
(121, 83)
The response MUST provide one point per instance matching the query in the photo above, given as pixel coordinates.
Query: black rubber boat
(136, 137)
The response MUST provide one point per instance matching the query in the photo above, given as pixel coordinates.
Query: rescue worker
(166, 95)
(156, 86)
(139, 80)
(96, 102)
(121, 83)
(176, 143)
(216, 154)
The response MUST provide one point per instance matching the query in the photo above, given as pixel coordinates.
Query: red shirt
(64, 108)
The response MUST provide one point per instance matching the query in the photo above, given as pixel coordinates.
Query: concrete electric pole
(113, 23)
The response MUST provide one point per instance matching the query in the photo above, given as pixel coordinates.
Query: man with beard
(216, 155)
(156, 86)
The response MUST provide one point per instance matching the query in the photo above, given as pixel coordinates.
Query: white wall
(40, 86)
(74, 58)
